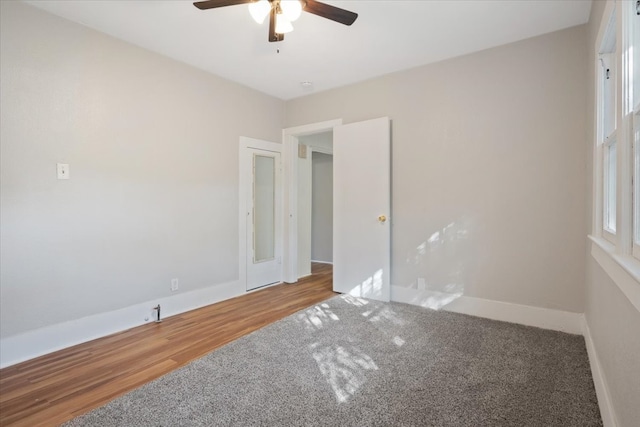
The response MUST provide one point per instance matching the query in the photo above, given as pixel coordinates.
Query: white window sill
(624, 270)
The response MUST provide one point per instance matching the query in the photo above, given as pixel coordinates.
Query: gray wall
(153, 151)
(322, 207)
(488, 168)
(613, 321)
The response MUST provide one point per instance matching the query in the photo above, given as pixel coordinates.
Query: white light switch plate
(63, 171)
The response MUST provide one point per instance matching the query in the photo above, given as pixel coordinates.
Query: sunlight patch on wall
(377, 282)
(442, 262)
(371, 287)
(422, 248)
(435, 300)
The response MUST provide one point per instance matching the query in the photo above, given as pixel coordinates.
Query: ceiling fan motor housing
(323, 10)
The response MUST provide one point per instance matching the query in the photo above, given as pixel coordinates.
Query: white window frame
(607, 71)
(619, 254)
(636, 181)
(607, 210)
(632, 119)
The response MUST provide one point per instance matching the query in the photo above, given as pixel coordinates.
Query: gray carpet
(353, 362)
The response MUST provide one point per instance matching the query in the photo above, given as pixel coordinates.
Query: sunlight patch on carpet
(344, 369)
(317, 316)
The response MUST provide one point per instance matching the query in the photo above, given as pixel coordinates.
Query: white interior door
(263, 215)
(361, 209)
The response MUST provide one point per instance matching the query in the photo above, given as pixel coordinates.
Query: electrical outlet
(422, 284)
(174, 285)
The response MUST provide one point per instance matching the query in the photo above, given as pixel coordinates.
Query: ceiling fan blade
(273, 36)
(330, 12)
(211, 4)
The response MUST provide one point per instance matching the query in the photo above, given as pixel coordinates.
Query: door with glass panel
(263, 218)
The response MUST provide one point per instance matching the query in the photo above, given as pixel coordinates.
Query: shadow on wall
(442, 265)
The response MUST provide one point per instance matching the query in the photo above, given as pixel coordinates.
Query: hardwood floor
(54, 388)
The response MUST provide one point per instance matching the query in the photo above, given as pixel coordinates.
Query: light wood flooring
(57, 387)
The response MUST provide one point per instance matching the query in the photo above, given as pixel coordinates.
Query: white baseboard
(602, 391)
(545, 318)
(25, 346)
(322, 262)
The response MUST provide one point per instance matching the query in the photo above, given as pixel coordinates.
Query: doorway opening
(291, 154)
(315, 201)
(361, 205)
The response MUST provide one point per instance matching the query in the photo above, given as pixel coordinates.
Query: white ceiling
(387, 36)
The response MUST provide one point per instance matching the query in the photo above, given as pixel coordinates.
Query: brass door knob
(382, 218)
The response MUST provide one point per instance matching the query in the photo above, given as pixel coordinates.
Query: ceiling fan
(283, 12)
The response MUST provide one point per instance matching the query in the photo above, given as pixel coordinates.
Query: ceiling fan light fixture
(291, 9)
(282, 12)
(283, 25)
(259, 10)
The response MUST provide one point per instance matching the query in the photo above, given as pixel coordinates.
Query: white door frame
(323, 150)
(290, 182)
(245, 186)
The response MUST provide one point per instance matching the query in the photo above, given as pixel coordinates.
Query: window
(636, 186)
(617, 144)
(635, 54)
(616, 156)
(607, 77)
(609, 199)
(634, 105)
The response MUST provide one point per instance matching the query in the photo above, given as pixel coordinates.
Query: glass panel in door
(264, 182)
